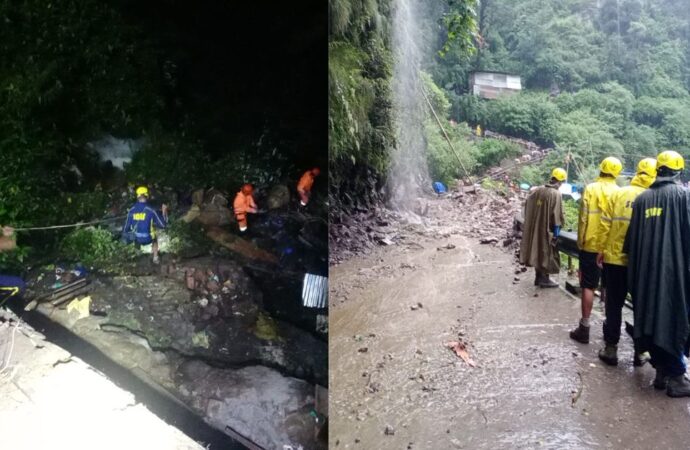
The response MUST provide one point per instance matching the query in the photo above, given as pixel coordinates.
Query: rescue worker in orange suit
(590, 241)
(244, 204)
(10, 286)
(305, 184)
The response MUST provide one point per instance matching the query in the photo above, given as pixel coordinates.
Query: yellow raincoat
(594, 199)
(615, 219)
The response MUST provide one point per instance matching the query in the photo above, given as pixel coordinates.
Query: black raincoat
(658, 248)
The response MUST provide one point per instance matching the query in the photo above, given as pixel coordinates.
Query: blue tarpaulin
(439, 187)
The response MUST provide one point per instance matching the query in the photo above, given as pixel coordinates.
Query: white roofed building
(492, 84)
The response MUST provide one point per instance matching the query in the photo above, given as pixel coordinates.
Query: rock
(363, 349)
(232, 321)
(278, 197)
(488, 240)
(389, 431)
(231, 398)
(384, 241)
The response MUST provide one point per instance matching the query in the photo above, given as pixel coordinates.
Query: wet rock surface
(199, 329)
(274, 408)
(221, 319)
(531, 385)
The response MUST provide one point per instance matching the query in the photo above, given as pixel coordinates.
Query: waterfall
(117, 151)
(409, 171)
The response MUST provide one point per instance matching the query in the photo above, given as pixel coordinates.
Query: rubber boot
(580, 334)
(547, 282)
(661, 379)
(640, 359)
(609, 354)
(678, 386)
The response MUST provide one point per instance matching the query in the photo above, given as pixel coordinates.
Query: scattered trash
(389, 431)
(446, 247)
(315, 291)
(488, 240)
(363, 349)
(439, 188)
(200, 339)
(81, 307)
(416, 307)
(460, 350)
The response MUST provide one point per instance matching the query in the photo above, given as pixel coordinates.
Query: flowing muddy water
(394, 384)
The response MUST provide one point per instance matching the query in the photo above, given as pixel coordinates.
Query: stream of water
(409, 172)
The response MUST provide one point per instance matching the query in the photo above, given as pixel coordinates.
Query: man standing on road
(543, 214)
(615, 219)
(659, 260)
(589, 241)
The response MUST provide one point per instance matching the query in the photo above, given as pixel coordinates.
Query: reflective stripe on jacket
(615, 219)
(142, 221)
(594, 199)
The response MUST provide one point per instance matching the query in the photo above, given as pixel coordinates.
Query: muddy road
(394, 384)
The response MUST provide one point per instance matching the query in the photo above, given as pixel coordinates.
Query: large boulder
(229, 399)
(278, 197)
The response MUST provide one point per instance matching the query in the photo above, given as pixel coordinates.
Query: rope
(445, 135)
(79, 224)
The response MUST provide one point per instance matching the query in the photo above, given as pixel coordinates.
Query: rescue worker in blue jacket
(142, 222)
(9, 286)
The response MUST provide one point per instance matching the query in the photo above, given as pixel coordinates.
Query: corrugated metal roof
(315, 291)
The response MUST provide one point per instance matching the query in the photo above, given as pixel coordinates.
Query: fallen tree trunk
(242, 246)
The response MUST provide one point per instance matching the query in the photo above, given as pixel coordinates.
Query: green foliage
(444, 163)
(525, 115)
(436, 96)
(13, 261)
(187, 239)
(360, 62)
(461, 26)
(494, 185)
(97, 248)
(490, 152)
(616, 72)
(571, 211)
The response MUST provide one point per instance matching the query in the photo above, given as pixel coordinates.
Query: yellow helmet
(142, 190)
(611, 166)
(647, 166)
(559, 174)
(672, 160)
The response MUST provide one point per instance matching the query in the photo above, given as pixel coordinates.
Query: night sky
(245, 65)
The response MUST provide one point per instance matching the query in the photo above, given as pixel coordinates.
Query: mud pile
(486, 214)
